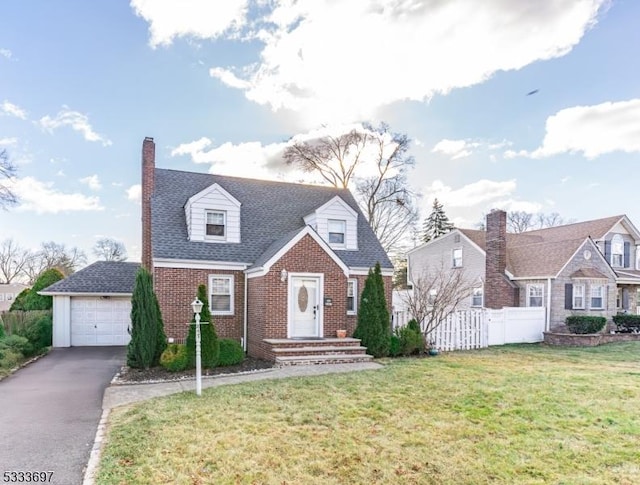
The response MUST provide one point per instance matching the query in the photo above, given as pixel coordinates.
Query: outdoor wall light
(283, 275)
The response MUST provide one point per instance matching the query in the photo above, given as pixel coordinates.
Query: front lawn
(513, 414)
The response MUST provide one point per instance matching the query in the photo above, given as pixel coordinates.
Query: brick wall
(499, 291)
(176, 288)
(148, 168)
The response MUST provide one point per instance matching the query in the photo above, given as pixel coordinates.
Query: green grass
(513, 414)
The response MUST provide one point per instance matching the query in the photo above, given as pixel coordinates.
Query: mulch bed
(159, 374)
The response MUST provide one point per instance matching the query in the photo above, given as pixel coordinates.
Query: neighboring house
(92, 307)
(590, 267)
(284, 264)
(8, 293)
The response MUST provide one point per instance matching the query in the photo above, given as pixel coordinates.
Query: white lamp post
(196, 305)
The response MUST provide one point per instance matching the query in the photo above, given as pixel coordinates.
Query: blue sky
(222, 86)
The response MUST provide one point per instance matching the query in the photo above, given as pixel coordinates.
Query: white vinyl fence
(474, 329)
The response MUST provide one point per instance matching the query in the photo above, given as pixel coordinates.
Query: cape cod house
(284, 263)
(590, 267)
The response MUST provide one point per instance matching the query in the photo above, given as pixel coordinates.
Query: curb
(96, 450)
(26, 363)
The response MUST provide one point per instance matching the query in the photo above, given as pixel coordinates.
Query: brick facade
(499, 291)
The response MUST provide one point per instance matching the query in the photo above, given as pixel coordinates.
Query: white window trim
(602, 297)
(343, 223)
(583, 296)
(481, 297)
(231, 279)
(226, 227)
(529, 288)
(453, 258)
(354, 311)
(617, 238)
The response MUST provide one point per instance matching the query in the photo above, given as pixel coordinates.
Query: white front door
(305, 310)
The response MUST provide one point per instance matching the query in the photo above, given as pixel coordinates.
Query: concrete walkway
(120, 395)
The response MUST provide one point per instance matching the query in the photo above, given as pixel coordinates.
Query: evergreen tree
(209, 343)
(436, 224)
(148, 339)
(373, 316)
(30, 300)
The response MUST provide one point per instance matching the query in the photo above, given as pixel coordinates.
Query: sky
(524, 105)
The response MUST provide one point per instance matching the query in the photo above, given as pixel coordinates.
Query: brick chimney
(499, 291)
(148, 168)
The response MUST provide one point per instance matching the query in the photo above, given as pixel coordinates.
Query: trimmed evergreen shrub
(175, 358)
(18, 302)
(374, 327)
(33, 301)
(209, 344)
(231, 352)
(627, 322)
(411, 341)
(2, 332)
(148, 339)
(18, 344)
(38, 329)
(394, 345)
(583, 324)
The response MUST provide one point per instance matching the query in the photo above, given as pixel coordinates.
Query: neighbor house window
(1, 296)
(352, 296)
(617, 251)
(476, 297)
(216, 223)
(597, 297)
(578, 297)
(535, 295)
(457, 258)
(431, 297)
(336, 231)
(221, 294)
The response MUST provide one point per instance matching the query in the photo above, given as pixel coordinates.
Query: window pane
(350, 304)
(215, 218)
(350, 288)
(220, 286)
(336, 238)
(221, 303)
(336, 231)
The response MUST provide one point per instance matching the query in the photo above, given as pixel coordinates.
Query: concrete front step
(283, 361)
(293, 343)
(355, 349)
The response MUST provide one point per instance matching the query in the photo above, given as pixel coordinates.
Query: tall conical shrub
(209, 343)
(373, 317)
(148, 339)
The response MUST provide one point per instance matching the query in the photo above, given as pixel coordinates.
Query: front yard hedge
(584, 324)
(627, 323)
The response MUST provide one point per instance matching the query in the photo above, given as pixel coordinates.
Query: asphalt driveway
(49, 411)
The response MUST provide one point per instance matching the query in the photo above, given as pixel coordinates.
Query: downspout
(548, 324)
(244, 330)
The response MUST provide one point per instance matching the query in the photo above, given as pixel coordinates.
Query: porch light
(196, 306)
(283, 275)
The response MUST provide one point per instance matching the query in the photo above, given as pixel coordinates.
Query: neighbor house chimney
(499, 291)
(148, 168)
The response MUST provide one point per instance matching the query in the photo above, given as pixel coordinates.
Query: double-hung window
(535, 295)
(617, 251)
(597, 297)
(476, 297)
(352, 297)
(221, 294)
(216, 224)
(337, 229)
(578, 297)
(457, 258)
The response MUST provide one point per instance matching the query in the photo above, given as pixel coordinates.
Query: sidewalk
(120, 395)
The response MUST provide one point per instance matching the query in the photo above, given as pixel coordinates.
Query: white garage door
(100, 321)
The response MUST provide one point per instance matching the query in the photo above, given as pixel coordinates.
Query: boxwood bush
(627, 323)
(583, 324)
(231, 352)
(175, 358)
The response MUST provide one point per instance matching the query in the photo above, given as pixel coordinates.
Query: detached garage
(92, 307)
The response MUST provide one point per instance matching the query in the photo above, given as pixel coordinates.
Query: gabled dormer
(213, 215)
(337, 224)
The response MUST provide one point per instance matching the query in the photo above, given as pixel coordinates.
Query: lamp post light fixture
(196, 306)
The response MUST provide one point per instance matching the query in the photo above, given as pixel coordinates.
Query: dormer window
(337, 229)
(216, 224)
(617, 251)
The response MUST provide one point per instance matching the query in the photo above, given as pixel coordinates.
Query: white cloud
(134, 193)
(42, 198)
(202, 19)
(13, 110)
(516, 205)
(319, 61)
(5, 142)
(455, 148)
(592, 130)
(92, 181)
(6, 53)
(77, 121)
(60, 173)
(469, 195)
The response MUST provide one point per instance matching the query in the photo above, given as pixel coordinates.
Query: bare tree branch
(109, 249)
(7, 172)
(13, 259)
(54, 255)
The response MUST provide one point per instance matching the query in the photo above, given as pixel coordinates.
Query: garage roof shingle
(98, 278)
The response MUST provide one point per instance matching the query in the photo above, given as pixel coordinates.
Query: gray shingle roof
(270, 211)
(99, 277)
